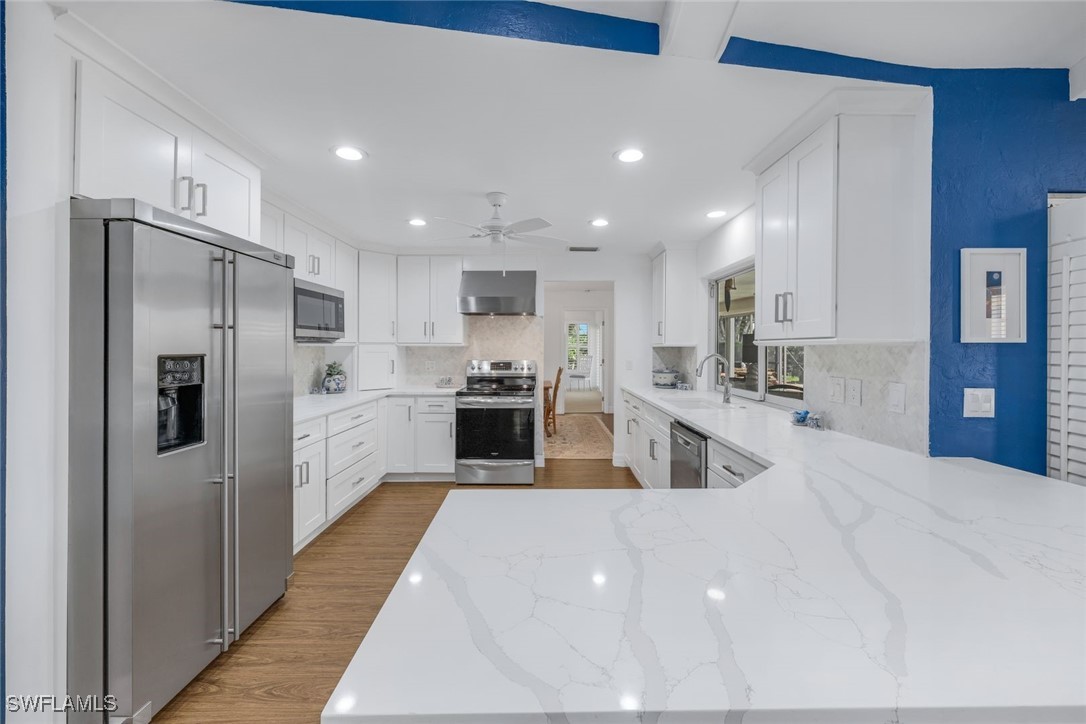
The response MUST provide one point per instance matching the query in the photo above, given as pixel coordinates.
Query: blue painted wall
(1003, 140)
(508, 18)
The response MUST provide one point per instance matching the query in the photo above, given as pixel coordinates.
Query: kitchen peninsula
(850, 582)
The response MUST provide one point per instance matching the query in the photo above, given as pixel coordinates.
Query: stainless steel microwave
(318, 312)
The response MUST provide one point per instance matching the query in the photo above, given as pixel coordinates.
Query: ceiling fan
(499, 231)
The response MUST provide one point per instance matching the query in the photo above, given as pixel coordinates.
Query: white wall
(36, 522)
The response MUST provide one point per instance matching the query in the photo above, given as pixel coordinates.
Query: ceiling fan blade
(459, 223)
(525, 225)
(540, 240)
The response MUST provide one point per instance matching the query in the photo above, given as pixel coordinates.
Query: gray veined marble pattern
(851, 582)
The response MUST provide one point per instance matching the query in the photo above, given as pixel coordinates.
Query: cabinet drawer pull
(728, 468)
(358, 482)
(435, 404)
(360, 415)
(303, 437)
(358, 445)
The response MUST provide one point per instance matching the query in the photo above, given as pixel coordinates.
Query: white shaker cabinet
(346, 280)
(376, 298)
(129, 145)
(271, 227)
(313, 251)
(841, 234)
(674, 298)
(427, 290)
(401, 435)
(435, 442)
(310, 488)
(226, 192)
(376, 366)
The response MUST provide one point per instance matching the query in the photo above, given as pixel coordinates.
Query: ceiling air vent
(584, 248)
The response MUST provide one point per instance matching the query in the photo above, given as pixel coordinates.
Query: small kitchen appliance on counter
(495, 423)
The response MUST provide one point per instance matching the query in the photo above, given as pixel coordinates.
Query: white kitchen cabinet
(382, 437)
(129, 145)
(310, 490)
(427, 289)
(401, 435)
(313, 251)
(674, 276)
(648, 443)
(346, 270)
(376, 298)
(271, 227)
(226, 192)
(841, 234)
(352, 484)
(634, 444)
(657, 456)
(435, 442)
(376, 366)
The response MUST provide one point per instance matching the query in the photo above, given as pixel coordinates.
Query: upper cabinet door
(296, 235)
(323, 249)
(658, 303)
(446, 322)
(271, 228)
(226, 190)
(376, 298)
(413, 299)
(771, 250)
(809, 309)
(347, 282)
(128, 145)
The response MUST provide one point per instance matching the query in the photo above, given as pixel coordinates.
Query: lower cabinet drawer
(347, 448)
(342, 421)
(731, 464)
(713, 480)
(351, 484)
(659, 418)
(307, 433)
(435, 404)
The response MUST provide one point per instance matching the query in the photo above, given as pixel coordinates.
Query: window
(757, 372)
(577, 344)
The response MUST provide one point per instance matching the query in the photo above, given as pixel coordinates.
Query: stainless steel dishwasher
(688, 452)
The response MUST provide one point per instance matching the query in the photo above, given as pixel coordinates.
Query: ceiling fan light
(629, 155)
(417, 222)
(599, 222)
(349, 153)
(717, 214)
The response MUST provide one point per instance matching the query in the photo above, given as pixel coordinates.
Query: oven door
(495, 428)
(318, 312)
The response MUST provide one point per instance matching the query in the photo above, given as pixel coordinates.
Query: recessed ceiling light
(629, 155)
(417, 222)
(349, 153)
(599, 222)
(716, 214)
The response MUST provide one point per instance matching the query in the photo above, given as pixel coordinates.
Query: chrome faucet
(727, 374)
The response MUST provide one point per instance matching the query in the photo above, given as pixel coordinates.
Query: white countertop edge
(310, 407)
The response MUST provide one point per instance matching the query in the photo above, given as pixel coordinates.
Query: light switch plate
(895, 397)
(978, 402)
(853, 389)
(837, 389)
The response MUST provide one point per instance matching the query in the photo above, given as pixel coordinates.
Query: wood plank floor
(286, 665)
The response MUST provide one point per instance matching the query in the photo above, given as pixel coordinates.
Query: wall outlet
(853, 389)
(837, 389)
(431, 366)
(895, 397)
(978, 402)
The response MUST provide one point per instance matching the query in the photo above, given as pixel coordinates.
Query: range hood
(495, 292)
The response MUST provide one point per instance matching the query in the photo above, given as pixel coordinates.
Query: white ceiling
(929, 33)
(448, 116)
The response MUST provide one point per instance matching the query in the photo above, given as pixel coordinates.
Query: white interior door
(1067, 343)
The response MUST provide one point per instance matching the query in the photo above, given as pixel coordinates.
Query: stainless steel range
(495, 423)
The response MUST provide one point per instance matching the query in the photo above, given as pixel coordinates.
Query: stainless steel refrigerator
(180, 518)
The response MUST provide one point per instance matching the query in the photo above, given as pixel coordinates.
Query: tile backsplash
(878, 366)
(309, 362)
(683, 359)
(487, 338)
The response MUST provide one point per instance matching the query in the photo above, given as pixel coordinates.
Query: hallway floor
(286, 665)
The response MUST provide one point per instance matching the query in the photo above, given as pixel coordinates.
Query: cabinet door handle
(298, 475)
(191, 193)
(394, 329)
(777, 308)
(409, 413)
(628, 431)
(425, 327)
(652, 448)
(450, 429)
(305, 465)
(786, 315)
(203, 188)
(659, 329)
(393, 363)
(432, 332)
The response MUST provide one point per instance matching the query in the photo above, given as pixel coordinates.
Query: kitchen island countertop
(850, 582)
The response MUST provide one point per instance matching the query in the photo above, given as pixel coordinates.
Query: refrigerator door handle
(224, 611)
(234, 441)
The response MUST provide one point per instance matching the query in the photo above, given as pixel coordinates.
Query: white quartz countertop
(308, 407)
(851, 582)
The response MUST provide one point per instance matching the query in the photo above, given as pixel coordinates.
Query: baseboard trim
(619, 461)
(540, 461)
(419, 478)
